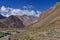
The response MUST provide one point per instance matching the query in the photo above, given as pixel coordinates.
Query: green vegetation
(1, 33)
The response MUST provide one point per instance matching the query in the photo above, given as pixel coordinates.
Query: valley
(46, 27)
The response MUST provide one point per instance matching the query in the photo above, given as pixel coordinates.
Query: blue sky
(37, 4)
(40, 5)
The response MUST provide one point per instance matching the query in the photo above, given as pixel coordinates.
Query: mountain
(27, 20)
(16, 21)
(11, 22)
(46, 17)
(46, 28)
(51, 14)
(47, 12)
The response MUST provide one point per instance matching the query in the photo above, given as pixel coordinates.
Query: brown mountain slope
(17, 21)
(49, 11)
(12, 21)
(27, 20)
(52, 15)
(46, 29)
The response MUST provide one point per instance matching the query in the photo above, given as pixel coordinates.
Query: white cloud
(38, 13)
(24, 6)
(27, 12)
(10, 11)
(3, 9)
(27, 6)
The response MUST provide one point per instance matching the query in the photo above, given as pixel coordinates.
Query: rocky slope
(47, 28)
(12, 21)
(16, 21)
(49, 11)
(27, 20)
(48, 16)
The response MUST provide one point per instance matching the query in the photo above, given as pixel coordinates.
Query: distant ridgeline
(2, 17)
(16, 21)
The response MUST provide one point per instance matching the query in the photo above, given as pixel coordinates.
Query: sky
(27, 7)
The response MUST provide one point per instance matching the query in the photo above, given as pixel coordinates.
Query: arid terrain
(45, 27)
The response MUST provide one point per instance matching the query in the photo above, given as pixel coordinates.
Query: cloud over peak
(5, 11)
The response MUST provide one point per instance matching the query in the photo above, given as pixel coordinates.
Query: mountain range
(16, 21)
(45, 27)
